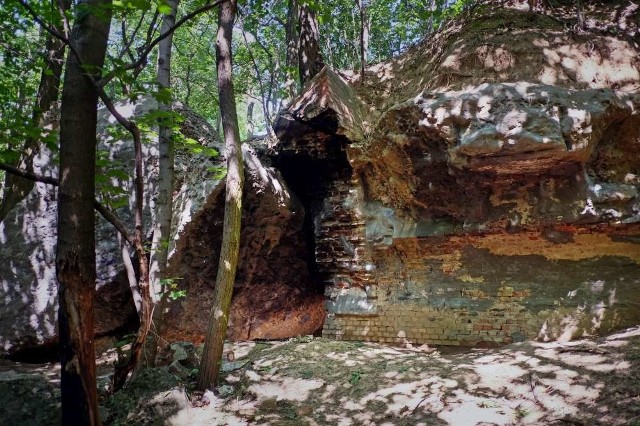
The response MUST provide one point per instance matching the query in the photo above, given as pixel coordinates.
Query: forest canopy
(262, 71)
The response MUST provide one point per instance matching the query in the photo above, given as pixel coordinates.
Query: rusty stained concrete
(494, 289)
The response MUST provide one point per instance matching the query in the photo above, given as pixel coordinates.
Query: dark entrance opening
(310, 172)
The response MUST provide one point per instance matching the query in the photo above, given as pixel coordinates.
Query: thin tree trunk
(164, 203)
(129, 365)
(310, 60)
(364, 35)
(250, 123)
(217, 330)
(17, 188)
(126, 366)
(75, 256)
(580, 13)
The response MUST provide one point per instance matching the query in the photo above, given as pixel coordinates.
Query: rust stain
(585, 246)
(588, 242)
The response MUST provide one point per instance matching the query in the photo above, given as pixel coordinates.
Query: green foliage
(261, 72)
(194, 65)
(21, 61)
(124, 340)
(394, 25)
(170, 288)
(355, 377)
(110, 176)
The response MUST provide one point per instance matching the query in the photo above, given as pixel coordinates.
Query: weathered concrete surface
(496, 289)
(493, 196)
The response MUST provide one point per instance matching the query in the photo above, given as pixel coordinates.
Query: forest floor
(313, 381)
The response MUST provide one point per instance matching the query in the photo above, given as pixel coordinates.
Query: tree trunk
(164, 203)
(217, 330)
(292, 36)
(75, 257)
(129, 365)
(580, 13)
(310, 60)
(250, 123)
(16, 188)
(364, 35)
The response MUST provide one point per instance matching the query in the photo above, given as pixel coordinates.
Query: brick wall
(490, 290)
(396, 279)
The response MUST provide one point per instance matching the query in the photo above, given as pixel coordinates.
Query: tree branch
(107, 214)
(145, 52)
(63, 6)
(28, 175)
(43, 24)
(52, 30)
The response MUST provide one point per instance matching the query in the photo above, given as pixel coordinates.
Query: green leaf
(163, 95)
(165, 9)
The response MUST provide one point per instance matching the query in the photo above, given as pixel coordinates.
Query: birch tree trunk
(217, 330)
(75, 256)
(164, 203)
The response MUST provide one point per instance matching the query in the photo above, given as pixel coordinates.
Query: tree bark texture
(16, 188)
(217, 329)
(164, 203)
(310, 60)
(363, 6)
(75, 256)
(292, 37)
(580, 15)
(145, 313)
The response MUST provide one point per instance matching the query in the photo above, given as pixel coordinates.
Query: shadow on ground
(320, 382)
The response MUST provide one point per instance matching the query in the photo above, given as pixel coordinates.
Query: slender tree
(164, 208)
(217, 330)
(75, 256)
(363, 5)
(580, 14)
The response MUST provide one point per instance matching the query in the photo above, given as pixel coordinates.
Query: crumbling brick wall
(490, 290)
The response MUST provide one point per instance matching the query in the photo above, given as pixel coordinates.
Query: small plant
(170, 288)
(355, 378)
(193, 373)
(303, 339)
(521, 412)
